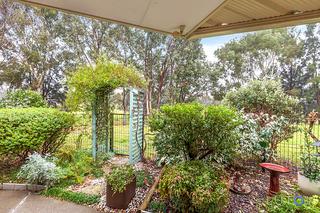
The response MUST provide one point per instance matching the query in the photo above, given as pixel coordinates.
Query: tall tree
(35, 57)
(312, 62)
(46, 45)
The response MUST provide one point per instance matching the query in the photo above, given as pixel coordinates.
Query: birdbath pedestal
(275, 171)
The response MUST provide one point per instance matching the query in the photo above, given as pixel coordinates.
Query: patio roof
(194, 18)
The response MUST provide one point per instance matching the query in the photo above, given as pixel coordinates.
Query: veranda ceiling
(194, 18)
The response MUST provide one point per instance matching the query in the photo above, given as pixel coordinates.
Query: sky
(212, 43)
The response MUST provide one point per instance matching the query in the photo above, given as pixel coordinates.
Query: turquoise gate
(136, 126)
(103, 127)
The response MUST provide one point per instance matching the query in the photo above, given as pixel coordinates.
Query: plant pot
(121, 200)
(308, 187)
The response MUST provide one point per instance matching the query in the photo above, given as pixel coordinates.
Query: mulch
(259, 183)
(252, 175)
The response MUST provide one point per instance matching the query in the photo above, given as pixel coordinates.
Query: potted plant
(309, 175)
(121, 187)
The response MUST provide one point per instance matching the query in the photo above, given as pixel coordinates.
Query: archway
(90, 89)
(102, 124)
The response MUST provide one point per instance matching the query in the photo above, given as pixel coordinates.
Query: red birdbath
(275, 171)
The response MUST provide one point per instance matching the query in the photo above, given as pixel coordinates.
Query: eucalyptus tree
(34, 56)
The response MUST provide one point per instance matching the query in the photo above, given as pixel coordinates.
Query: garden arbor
(90, 88)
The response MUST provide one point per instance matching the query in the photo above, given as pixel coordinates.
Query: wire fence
(288, 151)
(81, 135)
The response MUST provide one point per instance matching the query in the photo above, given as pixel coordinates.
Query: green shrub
(260, 141)
(192, 131)
(269, 115)
(194, 186)
(40, 170)
(142, 176)
(76, 197)
(310, 161)
(77, 164)
(266, 96)
(22, 99)
(27, 130)
(120, 177)
(157, 207)
(283, 203)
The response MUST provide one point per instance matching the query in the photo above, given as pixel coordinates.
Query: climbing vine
(90, 88)
(87, 82)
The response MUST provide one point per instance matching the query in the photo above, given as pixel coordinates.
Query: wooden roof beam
(259, 24)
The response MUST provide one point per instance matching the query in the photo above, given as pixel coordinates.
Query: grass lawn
(291, 149)
(81, 137)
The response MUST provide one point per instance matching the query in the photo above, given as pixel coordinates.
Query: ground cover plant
(76, 197)
(193, 131)
(78, 164)
(27, 130)
(284, 203)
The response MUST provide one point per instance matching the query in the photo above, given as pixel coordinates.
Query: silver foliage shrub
(261, 134)
(40, 170)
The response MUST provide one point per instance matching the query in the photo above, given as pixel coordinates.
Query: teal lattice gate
(136, 125)
(102, 126)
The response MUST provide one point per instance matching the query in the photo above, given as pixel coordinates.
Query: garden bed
(257, 180)
(97, 186)
(259, 183)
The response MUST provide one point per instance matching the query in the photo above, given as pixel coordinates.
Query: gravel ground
(97, 186)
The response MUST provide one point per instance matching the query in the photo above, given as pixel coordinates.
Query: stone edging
(21, 187)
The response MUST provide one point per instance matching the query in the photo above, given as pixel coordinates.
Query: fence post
(111, 131)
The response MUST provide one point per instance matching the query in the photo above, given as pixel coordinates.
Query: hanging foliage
(85, 83)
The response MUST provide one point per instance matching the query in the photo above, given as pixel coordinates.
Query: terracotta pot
(308, 187)
(121, 200)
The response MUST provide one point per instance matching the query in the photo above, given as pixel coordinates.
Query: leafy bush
(85, 82)
(268, 116)
(310, 162)
(40, 170)
(143, 176)
(23, 131)
(157, 207)
(76, 197)
(285, 203)
(22, 99)
(266, 96)
(77, 164)
(192, 131)
(120, 177)
(261, 140)
(194, 186)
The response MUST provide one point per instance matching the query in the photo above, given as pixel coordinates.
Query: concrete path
(25, 202)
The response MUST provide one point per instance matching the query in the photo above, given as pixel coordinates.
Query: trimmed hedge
(25, 130)
(195, 132)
